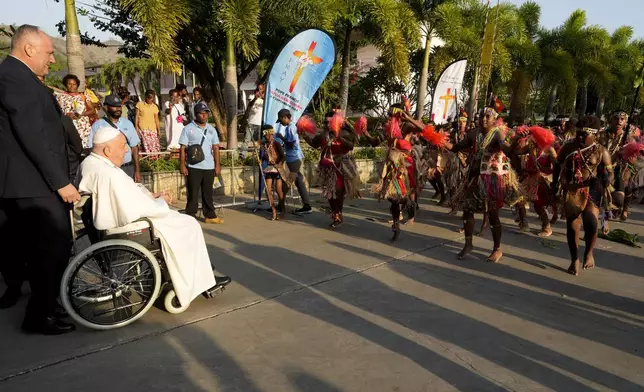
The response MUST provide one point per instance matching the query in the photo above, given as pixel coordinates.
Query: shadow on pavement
(507, 350)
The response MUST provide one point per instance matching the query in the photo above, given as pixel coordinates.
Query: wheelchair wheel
(110, 284)
(172, 304)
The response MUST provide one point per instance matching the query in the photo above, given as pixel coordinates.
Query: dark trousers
(128, 168)
(13, 273)
(200, 182)
(299, 181)
(40, 237)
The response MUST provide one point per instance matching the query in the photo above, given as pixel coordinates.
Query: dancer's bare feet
(524, 227)
(624, 215)
(495, 256)
(409, 222)
(589, 262)
(481, 233)
(554, 219)
(452, 212)
(574, 268)
(545, 232)
(442, 201)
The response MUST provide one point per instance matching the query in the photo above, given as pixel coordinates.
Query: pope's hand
(69, 194)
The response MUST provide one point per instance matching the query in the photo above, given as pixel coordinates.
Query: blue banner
(297, 74)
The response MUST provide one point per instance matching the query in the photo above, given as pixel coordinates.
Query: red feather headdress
(542, 136)
(438, 139)
(360, 126)
(632, 149)
(306, 124)
(392, 128)
(336, 122)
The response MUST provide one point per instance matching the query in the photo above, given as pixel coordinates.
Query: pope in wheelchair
(140, 246)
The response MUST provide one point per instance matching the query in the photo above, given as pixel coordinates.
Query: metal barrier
(229, 158)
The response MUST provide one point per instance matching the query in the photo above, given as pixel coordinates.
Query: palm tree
(526, 58)
(240, 19)
(424, 12)
(75, 61)
(389, 24)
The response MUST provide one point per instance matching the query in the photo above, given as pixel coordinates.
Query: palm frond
(240, 19)
(161, 21)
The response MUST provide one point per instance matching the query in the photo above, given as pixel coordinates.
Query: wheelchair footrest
(208, 294)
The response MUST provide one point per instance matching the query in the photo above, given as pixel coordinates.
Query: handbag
(194, 152)
(184, 119)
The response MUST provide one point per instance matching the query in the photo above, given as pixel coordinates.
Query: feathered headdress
(392, 128)
(632, 149)
(360, 126)
(438, 139)
(336, 122)
(542, 136)
(406, 104)
(306, 124)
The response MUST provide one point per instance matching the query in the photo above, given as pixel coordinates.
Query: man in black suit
(35, 188)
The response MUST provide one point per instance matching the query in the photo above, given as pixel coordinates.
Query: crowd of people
(53, 143)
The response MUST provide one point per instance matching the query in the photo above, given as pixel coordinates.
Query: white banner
(445, 102)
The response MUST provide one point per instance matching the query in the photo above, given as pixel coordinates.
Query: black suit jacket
(33, 159)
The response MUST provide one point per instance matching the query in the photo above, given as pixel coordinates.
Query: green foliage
(377, 153)
(163, 164)
(311, 155)
(113, 74)
(375, 91)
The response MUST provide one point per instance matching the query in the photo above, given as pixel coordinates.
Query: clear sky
(608, 13)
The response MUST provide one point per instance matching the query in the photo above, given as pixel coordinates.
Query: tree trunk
(346, 65)
(520, 90)
(424, 71)
(75, 62)
(599, 110)
(550, 110)
(230, 93)
(583, 100)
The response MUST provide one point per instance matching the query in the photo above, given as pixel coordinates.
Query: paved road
(315, 310)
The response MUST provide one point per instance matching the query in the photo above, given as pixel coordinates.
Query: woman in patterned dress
(147, 123)
(77, 106)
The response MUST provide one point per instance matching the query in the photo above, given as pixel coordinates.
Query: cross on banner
(304, 60)
(447, 98)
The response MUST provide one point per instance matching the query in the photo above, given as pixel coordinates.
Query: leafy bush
(159, 165)
(369, 153)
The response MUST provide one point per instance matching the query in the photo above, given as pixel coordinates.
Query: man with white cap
(117, 201)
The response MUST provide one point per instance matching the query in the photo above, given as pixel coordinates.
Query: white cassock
(117, 201)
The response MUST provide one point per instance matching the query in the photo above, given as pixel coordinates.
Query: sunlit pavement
(312, 309)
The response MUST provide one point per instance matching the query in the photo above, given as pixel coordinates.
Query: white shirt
(255, 117)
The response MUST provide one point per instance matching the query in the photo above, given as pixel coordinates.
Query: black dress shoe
(10, 298)
(222, 281)
(48, 326)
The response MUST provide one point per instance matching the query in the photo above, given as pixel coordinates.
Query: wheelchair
(119, 277)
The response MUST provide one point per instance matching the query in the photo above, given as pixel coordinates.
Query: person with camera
(200, 163)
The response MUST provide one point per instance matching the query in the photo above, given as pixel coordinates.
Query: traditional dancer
(338, 173)
(456, 165)
(613, 138)
(538, 159)
(491, 182)
(394, 182)
(586, 171)
(275, 172)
